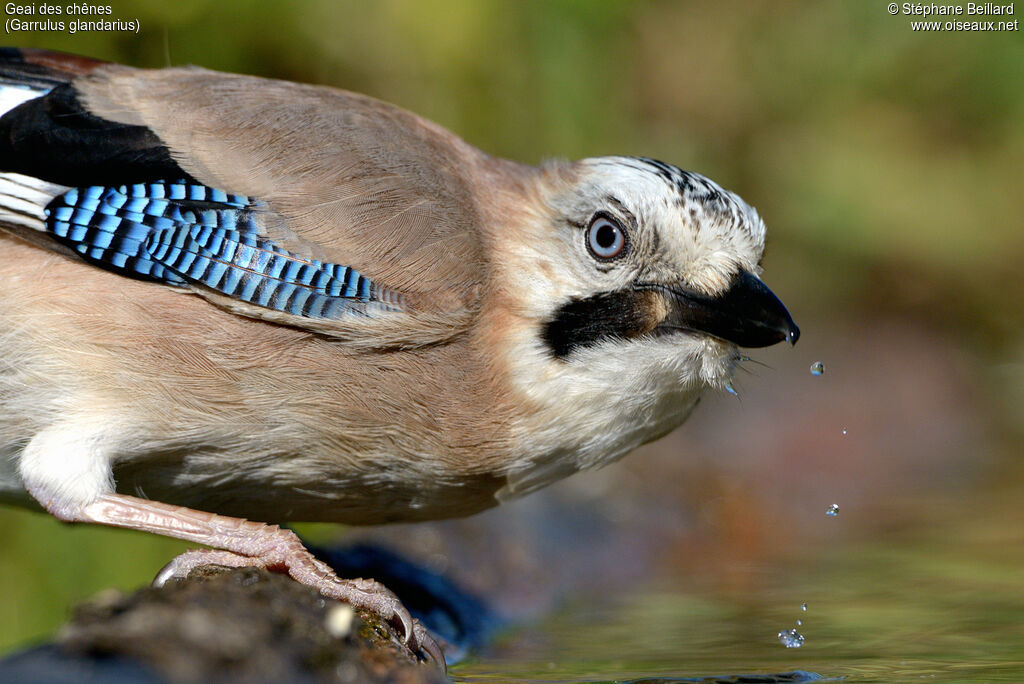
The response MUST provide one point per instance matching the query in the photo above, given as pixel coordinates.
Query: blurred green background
(887, 164)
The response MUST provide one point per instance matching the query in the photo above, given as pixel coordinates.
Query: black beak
(748, 314)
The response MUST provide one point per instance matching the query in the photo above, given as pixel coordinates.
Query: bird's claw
(428, 646)
(414, 635)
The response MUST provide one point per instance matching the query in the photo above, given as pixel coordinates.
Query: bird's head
(646, 249)
(632, 285)
(631, 253)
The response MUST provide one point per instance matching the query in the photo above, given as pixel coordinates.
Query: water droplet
(803, 606)
(832, 511)
(817, 368)
(790, 638)
(799, 623)
(844, 432)
(731, 390)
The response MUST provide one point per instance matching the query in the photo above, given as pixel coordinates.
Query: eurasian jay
(225, 297)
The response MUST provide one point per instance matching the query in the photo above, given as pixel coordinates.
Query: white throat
(604, 401)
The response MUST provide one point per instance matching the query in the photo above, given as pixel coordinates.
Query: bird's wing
(300, 204)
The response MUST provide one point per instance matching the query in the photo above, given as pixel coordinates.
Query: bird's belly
(296, 490)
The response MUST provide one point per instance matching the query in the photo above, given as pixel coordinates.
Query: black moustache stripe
(586, 322)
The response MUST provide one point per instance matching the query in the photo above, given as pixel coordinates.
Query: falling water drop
(817, 368)
(832, 511)
(799, 623)
(803, 607)
(844, 432)
(790, 638)
(731, 390)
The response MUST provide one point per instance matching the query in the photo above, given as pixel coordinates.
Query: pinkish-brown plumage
(551, 318)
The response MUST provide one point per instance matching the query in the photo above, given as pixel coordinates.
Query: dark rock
(221, 625)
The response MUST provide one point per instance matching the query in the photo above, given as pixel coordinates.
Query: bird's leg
(241, 543)
(81, 490)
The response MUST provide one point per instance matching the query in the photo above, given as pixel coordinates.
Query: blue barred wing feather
(185, 234)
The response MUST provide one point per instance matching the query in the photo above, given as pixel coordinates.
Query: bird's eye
(605, 238)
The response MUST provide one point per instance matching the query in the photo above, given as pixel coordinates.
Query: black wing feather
(56, 139)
